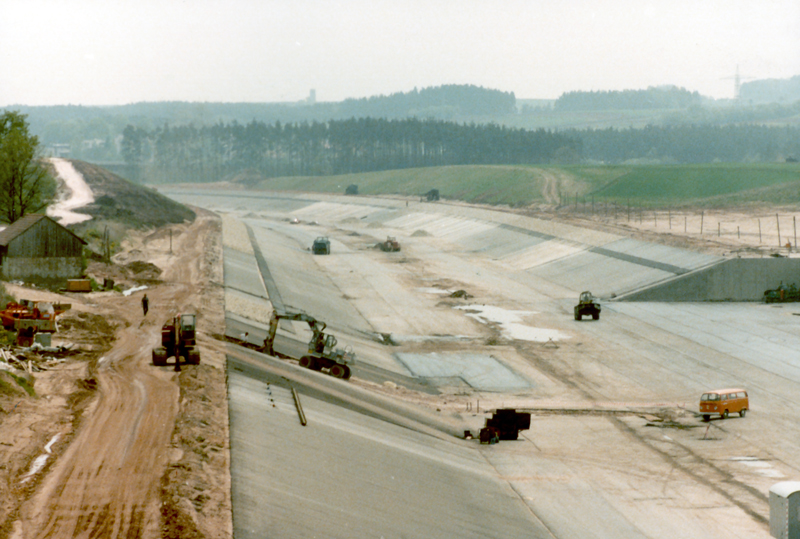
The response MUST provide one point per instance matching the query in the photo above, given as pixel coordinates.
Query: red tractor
(178, 341)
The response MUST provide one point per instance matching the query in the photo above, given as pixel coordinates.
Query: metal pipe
(299, 406)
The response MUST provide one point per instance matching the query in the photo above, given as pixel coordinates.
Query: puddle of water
(511, 325)
(431, 290)
(763, 468)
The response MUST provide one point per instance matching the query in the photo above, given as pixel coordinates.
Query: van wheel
(724, 415)
(706, 417)
(742, 412)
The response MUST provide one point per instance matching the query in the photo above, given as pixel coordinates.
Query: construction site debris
(79, 285)
(130, 291)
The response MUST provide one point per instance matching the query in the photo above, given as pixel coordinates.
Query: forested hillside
(771, 91)
(190, 154)
(652, 98)
(685, 144)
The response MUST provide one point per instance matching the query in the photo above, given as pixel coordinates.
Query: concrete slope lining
(735, 279)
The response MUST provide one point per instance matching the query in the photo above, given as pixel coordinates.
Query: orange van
(724, 402)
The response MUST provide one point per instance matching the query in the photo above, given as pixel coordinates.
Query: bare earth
(128, 449)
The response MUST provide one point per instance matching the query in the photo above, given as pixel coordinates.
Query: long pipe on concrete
(299, 407)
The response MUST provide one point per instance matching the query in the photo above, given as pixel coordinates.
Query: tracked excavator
(322, 352)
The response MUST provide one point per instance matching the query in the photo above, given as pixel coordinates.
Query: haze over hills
(95, 133)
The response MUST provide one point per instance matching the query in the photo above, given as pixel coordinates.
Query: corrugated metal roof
(18, 227)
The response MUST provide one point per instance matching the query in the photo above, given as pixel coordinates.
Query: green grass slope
(640, 185)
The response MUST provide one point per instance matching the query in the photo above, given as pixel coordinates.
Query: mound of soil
(91, 331)
(143, 270)
(117, 199)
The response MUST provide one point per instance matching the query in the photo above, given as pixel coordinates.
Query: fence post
(778, 224)
(702, 217)
(759, 230)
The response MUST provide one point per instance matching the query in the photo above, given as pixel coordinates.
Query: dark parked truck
(587, 306)
(505, 424)
(321, 246)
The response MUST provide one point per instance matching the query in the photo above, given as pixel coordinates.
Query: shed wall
(43, 268)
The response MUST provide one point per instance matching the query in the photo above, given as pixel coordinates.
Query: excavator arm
(316, 326)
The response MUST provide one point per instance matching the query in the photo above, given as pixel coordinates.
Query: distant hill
(782, 91)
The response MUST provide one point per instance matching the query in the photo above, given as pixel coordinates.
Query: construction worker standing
(145, 304)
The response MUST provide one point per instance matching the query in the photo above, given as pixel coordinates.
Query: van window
(709, 397)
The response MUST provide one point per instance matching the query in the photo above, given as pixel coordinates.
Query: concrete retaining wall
(737, 279)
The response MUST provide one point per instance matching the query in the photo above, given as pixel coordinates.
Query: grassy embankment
(653, 186)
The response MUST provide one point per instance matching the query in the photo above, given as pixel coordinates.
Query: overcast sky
(109, 52)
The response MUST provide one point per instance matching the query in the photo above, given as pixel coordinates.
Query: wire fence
(770, 231)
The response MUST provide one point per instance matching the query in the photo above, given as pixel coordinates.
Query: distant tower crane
(737, 83)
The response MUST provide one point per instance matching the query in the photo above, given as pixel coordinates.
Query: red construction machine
(178, 341)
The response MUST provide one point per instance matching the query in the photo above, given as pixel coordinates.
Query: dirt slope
(121, 201)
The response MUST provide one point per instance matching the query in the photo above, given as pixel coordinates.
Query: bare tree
(25, 182)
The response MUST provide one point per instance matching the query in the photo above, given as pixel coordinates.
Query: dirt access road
(146, 455)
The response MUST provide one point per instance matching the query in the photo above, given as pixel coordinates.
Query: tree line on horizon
(669, 97)
(689, 144)
(210, 153)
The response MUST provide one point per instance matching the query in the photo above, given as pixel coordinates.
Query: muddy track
(107, 483)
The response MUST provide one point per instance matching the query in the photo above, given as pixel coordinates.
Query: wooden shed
(37, 247)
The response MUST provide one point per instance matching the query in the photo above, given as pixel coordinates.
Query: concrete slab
(497, 242)
(241, 273)
(478, 371)
(604, 276)
(332, 212)
(349, 475)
